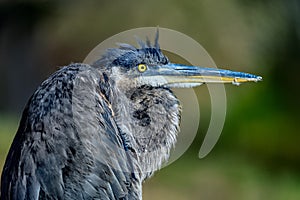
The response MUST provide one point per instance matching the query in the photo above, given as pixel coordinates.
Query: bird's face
(149, 66)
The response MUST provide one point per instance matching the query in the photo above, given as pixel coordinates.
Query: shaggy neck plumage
(148, 119)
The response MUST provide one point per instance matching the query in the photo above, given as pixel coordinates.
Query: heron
(99, 131)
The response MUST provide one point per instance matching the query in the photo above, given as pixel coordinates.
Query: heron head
(147, 65)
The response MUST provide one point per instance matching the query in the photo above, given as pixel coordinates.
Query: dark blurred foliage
(21, 57)
(269, 131)
(259, 36)
(279, 47)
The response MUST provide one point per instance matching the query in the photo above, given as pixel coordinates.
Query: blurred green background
(258, 154)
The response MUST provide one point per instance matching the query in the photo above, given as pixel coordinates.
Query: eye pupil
(142, 67)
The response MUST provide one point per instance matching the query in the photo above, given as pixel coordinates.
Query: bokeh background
(258, 154)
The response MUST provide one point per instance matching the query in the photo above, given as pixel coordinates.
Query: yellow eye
(142, 67)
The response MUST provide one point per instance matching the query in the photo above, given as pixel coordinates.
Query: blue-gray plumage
(98, 131)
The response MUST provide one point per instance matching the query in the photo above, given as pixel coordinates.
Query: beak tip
(253, 78)
(258, 78)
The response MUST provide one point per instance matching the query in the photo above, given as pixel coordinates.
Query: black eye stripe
(131, 59)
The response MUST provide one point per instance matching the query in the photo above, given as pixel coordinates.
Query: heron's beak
(177, 75)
